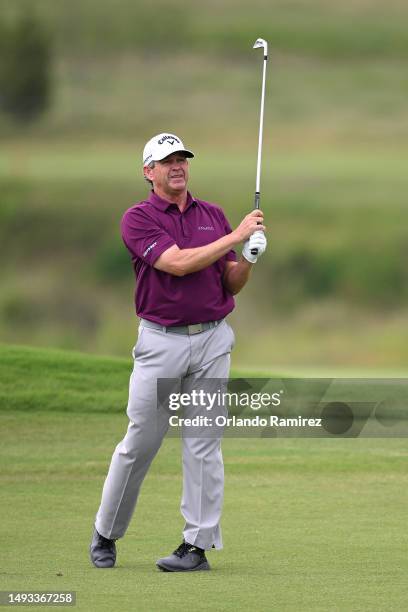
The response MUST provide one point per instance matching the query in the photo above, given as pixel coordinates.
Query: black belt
(185, 330)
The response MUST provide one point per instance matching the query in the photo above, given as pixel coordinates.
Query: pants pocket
(137, 346)
(232, 335)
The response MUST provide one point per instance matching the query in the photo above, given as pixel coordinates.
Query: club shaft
(261, 121)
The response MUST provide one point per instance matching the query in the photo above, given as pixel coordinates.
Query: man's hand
(249, 225)
(256, 241)
(180, 262)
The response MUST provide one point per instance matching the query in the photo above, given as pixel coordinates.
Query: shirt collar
(163, 205)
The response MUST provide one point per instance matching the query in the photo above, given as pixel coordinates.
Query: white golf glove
(256, 241)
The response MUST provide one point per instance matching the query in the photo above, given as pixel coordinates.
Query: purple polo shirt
(151, 227)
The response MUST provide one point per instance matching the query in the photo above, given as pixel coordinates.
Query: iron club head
(260, 42)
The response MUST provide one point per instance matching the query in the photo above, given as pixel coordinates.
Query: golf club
(260, 43)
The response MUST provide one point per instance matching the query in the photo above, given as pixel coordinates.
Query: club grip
(257, 202)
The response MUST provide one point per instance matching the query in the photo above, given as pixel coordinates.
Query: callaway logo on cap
(161, 146)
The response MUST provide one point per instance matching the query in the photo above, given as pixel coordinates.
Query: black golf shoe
(102, 551)
(186, 558)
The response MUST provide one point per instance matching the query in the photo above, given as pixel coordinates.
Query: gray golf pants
(158, 354)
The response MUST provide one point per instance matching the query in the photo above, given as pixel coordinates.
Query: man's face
(170, 174)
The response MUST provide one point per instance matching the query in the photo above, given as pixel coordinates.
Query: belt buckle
(194, 329)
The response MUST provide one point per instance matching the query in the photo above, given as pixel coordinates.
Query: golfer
(182, 250)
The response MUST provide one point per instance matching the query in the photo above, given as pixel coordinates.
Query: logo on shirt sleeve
(206, 228)
(149, 248)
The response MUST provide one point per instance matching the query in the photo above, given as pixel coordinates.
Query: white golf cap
(161, 146)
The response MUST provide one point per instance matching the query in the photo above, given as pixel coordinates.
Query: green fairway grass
(308, 524)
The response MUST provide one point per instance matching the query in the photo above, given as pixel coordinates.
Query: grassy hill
(33, 379)
(50, 380)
